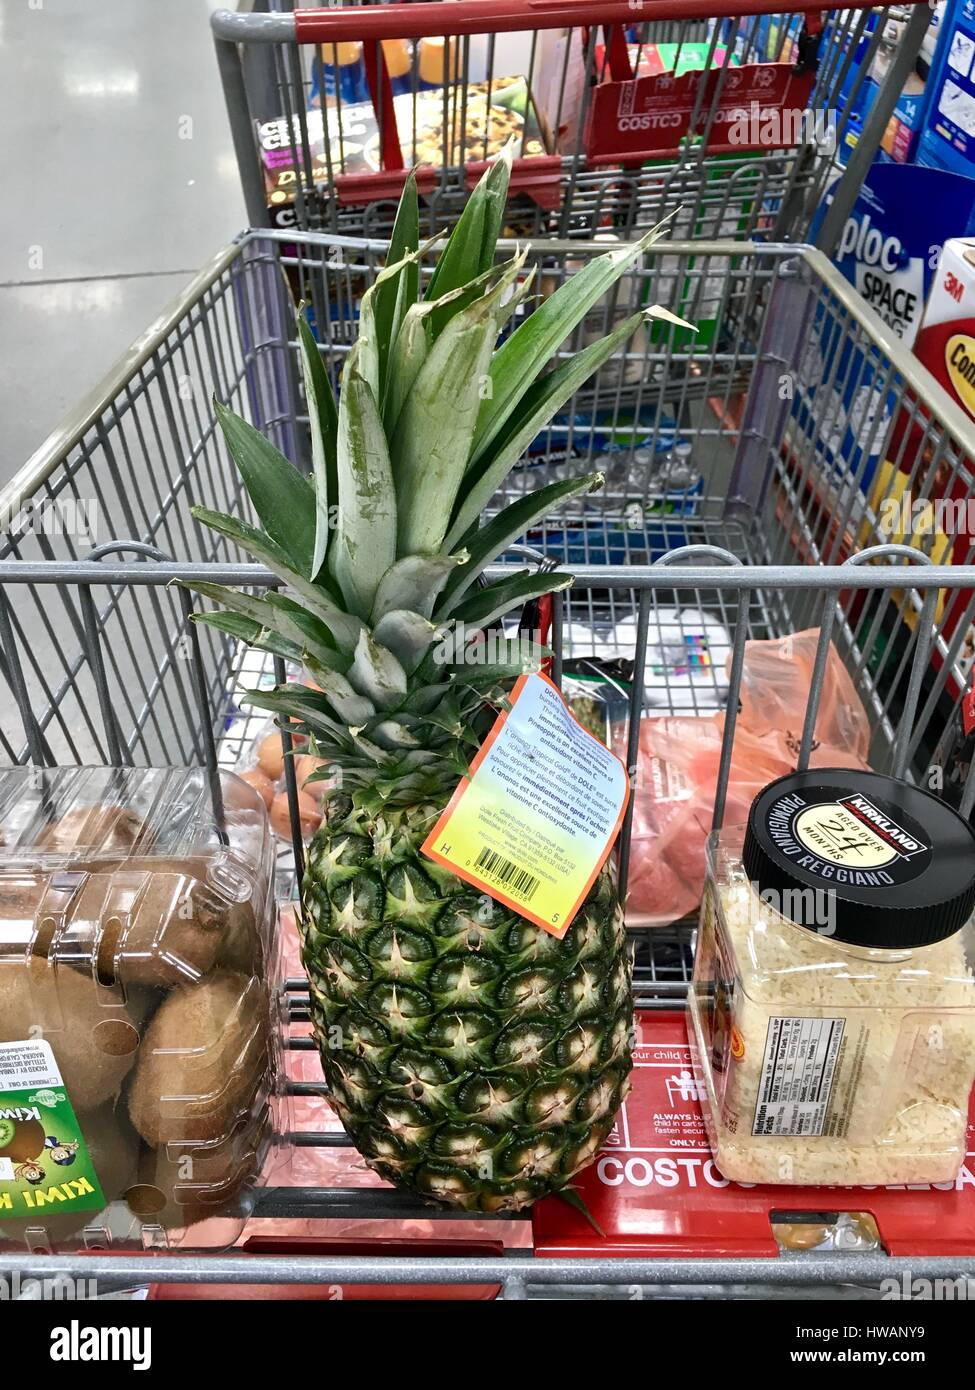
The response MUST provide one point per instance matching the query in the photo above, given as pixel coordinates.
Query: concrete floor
(119, 183)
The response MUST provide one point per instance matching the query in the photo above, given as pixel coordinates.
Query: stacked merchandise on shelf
(902, 139)
(854, 49)
(948, 139)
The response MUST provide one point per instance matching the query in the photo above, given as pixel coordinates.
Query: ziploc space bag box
(890, 245)
(888, 250)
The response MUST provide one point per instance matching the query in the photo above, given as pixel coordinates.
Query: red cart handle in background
(507, 16)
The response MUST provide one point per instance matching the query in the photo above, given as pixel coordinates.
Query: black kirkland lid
(897, 863)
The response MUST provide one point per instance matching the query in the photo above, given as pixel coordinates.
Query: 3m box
(945, 344)
(946, 339)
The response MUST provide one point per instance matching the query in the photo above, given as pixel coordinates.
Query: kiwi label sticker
(536, 818)
(45, 1166)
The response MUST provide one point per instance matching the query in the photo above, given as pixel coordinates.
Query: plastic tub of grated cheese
(832, 1011)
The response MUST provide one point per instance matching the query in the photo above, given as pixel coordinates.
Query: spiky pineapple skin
(473, 1058)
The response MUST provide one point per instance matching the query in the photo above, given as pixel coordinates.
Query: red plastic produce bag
(775, 685)
(673, 799)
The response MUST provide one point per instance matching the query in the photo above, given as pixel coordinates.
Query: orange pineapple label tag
(534, 821)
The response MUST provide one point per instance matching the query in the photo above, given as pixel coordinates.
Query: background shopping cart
(578, 171)
(98, 663)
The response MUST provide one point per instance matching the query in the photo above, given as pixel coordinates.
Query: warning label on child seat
(797, 1075)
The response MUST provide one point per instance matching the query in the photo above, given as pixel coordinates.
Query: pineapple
(472, 1057)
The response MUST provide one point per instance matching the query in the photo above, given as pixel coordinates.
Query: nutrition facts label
(797, 1075)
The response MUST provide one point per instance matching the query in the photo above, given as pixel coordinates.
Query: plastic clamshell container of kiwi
(138, 1049)
(831, 1016)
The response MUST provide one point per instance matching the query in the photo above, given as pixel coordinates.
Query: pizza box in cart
(654, 1188)
(344, 144)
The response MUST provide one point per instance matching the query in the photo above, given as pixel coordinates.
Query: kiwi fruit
(180, 1185)
(20, 1140)
(21, 897)
(114, 1148)
(109, 829)
(202, 1062)
(157, 922)
(242, 947)
(94, 1042)
(173, 932)
(30, 911)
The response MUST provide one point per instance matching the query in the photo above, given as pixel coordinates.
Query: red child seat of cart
(654, 1189)
(539, 176)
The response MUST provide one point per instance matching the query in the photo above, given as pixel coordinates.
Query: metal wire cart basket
(620, 112)
(751, 473)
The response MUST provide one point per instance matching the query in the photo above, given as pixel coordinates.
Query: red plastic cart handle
(504, 16)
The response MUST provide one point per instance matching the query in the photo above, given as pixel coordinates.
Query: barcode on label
(507, 872)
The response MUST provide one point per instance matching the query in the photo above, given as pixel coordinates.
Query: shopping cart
(783, 432)
(698, 115)
(782, 527)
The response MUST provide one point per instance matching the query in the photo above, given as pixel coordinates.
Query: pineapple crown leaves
(430, 418)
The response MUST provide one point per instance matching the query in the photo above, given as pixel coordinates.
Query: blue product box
(904, 129)
(338, 70)
(902, 138)
(948, 141)
(760, 38)
(838, 34)
(889, 251)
